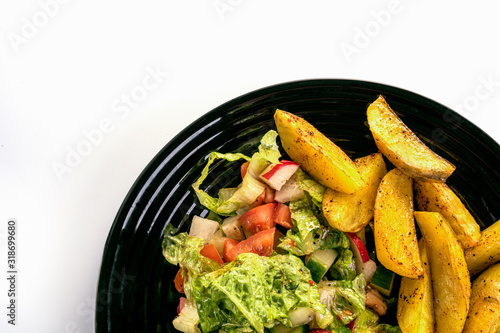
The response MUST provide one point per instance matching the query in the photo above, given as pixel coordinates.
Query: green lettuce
(307, 233)
(344, 267)
(315, 190)
(253, 292)
(228, 201)
(184, 251)
(345, 299)
(368, 322)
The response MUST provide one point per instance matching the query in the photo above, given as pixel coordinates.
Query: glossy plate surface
(135, 290)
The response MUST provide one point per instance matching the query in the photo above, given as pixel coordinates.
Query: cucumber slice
(319, 263)
(383, 280)
(284, 329)
(300, 316)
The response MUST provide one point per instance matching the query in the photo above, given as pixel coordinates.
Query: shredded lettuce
(184, 251)
(312, 187)
(254, 292)
(307, 234)
(230, 200)
(367, 322)
(344, 267)
(345, 299)
(268, 147)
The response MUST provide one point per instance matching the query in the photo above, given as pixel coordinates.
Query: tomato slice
(282, 216)
(210, 251)
(258, 218)
(228, 245)
(261, 243)
(179, 282)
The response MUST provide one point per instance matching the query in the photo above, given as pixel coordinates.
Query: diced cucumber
(202, 227)
(283, 329)
(300, 316)
(320, 262)
(232, 228)
(383, 280)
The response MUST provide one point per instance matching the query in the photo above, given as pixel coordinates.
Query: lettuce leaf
(307, 234)
(344, 267)
(254, 292)
(184, 251)
(229, 201)
(368, 322)
(312, 187)
(345, 299)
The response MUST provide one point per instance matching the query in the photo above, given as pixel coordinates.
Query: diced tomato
(182, 302)
(179, 282)
(258, 218)
(282, 216)
(243, 169)
(319, 330)
(210, 251)
(228, 245)
(351, 325)
(261, 243)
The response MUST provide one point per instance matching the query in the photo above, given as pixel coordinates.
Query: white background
(67, 67)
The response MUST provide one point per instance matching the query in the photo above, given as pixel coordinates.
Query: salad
(266, 258)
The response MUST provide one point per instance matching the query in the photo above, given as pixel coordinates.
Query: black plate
(135, 290)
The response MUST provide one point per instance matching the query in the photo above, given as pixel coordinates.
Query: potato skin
(316, 154)
(487, 250)
(415, 312)
(402, 147)
(438, 197)
(352, 212)
(484, 312)
(394, 226)
(450, 278)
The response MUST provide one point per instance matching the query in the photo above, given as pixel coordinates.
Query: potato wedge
(450, 278)
(316, 154)
(486, 252)
(402, 147)
(484, 312)
(394, 226)
(351, 212)
(438, 197)
(415, 312)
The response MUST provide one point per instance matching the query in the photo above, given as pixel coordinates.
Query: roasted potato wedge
(450, 278)
(402, 147)
(484, 312)
(415, 312)
(351, 212)
(394, 226)
(316, 154)
(486, 252)
(438, 197)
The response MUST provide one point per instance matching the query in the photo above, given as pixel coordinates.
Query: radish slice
(290, 191)
(364, 265)
(182, 302)
(276, 175)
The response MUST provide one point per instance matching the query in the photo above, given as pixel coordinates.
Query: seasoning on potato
(351, 212)
(450, 278)
(402, 147)
(415, 311)
(486, 252)
(316, 154)
(438, 197)
(394, 226)
(484, 312)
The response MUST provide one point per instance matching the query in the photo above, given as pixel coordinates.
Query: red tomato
(258, 218)
(210, 251)
(243, 169)
(319, 330)
(282, 216)
(228, 245)
(261, 243)
(179, 282)
(269, 195)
